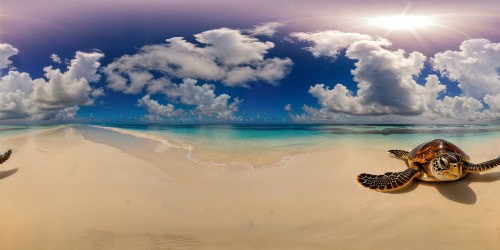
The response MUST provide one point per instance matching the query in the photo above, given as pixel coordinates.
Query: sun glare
(402, 22)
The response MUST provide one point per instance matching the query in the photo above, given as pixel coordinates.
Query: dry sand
(60, 190)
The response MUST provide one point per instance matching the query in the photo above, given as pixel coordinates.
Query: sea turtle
(437, 160)
(5, 156)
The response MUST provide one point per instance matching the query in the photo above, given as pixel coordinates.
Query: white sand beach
(60, 190)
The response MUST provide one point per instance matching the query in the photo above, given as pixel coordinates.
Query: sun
(402, 22)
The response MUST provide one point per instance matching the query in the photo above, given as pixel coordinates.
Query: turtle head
(446, 167)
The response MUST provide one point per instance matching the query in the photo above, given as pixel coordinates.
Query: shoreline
(205, 155)
(208, 159)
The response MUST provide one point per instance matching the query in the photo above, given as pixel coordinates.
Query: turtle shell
(425, 152)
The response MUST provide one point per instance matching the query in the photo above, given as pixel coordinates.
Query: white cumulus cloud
(266, 29)
(204, 99)
(156, 110)
(224, 55)
(386, 82)
(6, 51)
(493, 101)
(476, 67)
(329, 43)
(460, 107)
(201, 98)
(288, 107)
(55, 58)
(57, 96)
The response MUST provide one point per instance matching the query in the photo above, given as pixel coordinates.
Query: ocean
(280, 136)
(271, 144)
(274, 137)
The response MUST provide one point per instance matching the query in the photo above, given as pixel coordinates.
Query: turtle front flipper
(400, 154)
(389, 181)
(481, 167)
(5, 156)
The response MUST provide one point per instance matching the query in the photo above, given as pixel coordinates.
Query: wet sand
(64, 189)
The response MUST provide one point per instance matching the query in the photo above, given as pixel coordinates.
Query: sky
(220, 61)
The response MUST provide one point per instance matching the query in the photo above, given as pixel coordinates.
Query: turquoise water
(269, 138)
(267, 145)
(13, 130)
(241, 138)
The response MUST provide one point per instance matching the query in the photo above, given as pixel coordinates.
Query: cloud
(60, 91)
(288, 107)
(85, 65)
(6, 51)
(224, 55)
(386, 82)
(97, 92)
(156, 111)
(317, 115)
(204, 99)
(493, 101)
(266, 29)
(329, 43)
(476, 67)
(55, 59)
(57, 96)
(270, 70)
(69, 88)
(460, 107)
(15, 95)
(66, 114)
(201, 97)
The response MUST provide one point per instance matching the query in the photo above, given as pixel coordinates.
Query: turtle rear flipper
(400, 154)
(5, 156)
(481, 167)
(389, 181)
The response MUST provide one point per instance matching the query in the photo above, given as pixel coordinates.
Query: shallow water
(13, 130)
(245, 138)
(267, 145)
(274, 137)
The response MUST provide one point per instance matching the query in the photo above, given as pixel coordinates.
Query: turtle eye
(443, 163)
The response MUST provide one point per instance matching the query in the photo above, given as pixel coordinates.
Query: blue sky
(237, 62)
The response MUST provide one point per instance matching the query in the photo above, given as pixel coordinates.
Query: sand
(62, 190)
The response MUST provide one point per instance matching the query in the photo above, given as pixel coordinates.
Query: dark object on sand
(437, 160)
(5, 156)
